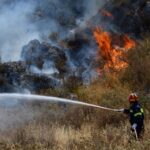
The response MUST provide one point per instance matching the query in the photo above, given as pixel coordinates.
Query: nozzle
(120, 110)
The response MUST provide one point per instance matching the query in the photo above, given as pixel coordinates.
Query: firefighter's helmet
(133, 97)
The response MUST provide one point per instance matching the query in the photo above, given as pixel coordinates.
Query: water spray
(30, 97)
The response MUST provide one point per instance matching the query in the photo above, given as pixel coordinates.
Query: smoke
(92, 7)
(32, 31)
(22, 21)
(48, 69)
(16, 29)
(81, 63)
(13, 114)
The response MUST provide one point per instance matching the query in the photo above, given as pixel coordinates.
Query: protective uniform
(136, 115)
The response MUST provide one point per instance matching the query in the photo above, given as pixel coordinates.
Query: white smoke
(92, 7)
(14, 116)
(48, 69)
(22, 21)
(15, 29)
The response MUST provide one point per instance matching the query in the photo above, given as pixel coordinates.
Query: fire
(111, 52)
(129, 43)
(106, 13)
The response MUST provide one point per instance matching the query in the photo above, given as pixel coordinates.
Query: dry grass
(36, 136)
(79, 128)
(107, 92)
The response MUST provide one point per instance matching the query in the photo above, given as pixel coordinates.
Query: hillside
(91, 51)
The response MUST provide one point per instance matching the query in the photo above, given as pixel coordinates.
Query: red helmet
(133, 97)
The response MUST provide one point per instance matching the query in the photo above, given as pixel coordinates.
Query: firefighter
(136, 115)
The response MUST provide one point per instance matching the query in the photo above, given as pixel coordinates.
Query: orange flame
(129, 43)
(113, 54)
(106, 13)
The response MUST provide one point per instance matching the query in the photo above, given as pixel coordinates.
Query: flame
(112, 54)
(106, 13)
(129, 43)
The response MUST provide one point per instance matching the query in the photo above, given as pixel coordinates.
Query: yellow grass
(36, 136)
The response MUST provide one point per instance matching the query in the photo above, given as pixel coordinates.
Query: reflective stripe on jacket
(135, 113)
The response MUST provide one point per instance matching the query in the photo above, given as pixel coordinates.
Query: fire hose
(101, 107)
(30, 97)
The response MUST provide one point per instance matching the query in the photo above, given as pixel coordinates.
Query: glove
(134, 126)
(121, 110)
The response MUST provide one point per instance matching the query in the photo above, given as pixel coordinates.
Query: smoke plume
(16, 29)
(22, 21)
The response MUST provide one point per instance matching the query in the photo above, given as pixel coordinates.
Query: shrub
(108, 92)
(137, 74)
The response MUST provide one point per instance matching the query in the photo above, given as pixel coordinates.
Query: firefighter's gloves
(121, 110)
(134, 126)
